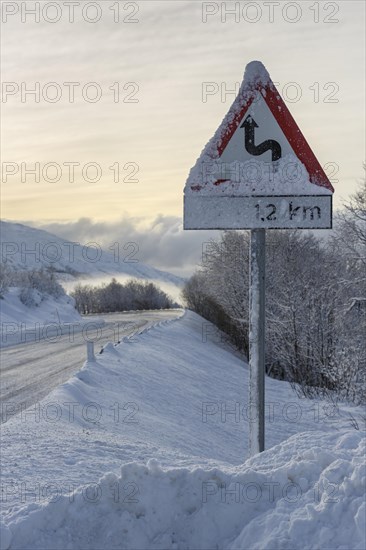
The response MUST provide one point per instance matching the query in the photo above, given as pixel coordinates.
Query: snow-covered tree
(350, 234)
(314, 324)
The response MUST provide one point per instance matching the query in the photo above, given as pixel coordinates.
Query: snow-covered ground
(48, 310)
(48, 319)
(146, 448)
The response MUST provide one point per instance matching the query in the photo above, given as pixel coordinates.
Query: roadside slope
(174, 398)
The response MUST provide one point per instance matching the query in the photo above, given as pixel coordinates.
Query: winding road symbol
(249, 126)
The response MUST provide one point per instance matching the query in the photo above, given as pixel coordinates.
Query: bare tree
(314, 329)
(115, 296)
(351, 225)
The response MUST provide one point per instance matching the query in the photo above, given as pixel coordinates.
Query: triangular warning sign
(258, 170)
(258, 127)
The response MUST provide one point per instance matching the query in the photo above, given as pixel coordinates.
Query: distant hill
(25, 248)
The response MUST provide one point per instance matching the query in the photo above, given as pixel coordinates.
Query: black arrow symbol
(249, 125)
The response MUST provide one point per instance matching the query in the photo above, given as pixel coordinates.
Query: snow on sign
(258, 171)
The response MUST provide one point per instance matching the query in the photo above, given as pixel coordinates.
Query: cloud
(161, 242)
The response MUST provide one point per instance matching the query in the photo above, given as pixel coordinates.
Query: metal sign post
(257, 340)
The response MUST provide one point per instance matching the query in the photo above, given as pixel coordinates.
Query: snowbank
(146, 448)
(305, 493)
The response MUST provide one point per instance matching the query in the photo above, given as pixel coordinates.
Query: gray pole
(256, 340)
(90, 351)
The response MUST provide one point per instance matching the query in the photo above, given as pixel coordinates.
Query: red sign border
(288, 126)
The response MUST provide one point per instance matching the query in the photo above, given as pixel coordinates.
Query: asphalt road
(30, 371)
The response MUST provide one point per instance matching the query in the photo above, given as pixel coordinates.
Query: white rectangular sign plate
(258, 212)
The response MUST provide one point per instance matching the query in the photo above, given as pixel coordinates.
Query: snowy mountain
(24, 247)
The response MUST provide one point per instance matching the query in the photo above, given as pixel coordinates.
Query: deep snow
(147, 448)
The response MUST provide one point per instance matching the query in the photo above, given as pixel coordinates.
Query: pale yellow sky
(155, 126)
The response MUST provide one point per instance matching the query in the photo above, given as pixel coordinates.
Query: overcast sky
(151, 69)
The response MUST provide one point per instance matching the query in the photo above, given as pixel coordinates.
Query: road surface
(30, 371)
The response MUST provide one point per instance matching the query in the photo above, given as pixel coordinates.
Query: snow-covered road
(29, 371)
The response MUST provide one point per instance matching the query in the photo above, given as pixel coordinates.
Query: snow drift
(171, 471)
(312, 497)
